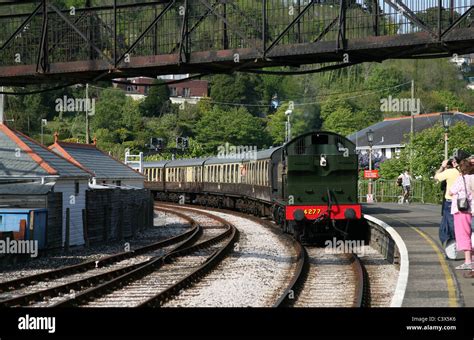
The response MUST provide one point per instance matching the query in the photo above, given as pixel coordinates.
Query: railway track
(330, 280)
(40, 288)
(316, 274)
(230, 276)
(162, 278)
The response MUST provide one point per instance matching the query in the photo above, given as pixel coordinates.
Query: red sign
(371, 174)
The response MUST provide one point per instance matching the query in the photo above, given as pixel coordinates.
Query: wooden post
(68, 231)
(144, 215)
(32, 225)
(85, 227)
(151, 212)
(135, 219)
(120, 231)
(105, 233)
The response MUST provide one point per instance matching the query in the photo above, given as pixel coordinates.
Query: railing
(47, 33)
(134, 161)
(389, 191)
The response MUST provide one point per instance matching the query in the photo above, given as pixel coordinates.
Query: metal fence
(389, 191)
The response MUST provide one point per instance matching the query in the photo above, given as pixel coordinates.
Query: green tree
(156, 100)
(131, 116)
(235, 126)
(428, 150)
(384, 79)
(238, 88)
(109, 110)
(342, 121)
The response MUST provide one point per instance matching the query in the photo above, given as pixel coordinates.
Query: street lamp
(288, 114)
(447, 118)
(370, 142)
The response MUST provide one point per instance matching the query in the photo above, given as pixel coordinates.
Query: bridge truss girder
(223, 36)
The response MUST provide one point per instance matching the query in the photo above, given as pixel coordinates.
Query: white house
(392, 134)
(33, 168)
(107, 172)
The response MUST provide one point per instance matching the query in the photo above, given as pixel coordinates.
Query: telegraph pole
(412, 125)
(2, 101)
(87, 113)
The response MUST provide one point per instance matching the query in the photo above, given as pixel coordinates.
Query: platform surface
(432, 280)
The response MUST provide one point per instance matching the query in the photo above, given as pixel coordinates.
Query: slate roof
(395, 131)
(102, 165)
(25, 188)
(186, 162)
(263, 154)
(23, 157)
(155, 164)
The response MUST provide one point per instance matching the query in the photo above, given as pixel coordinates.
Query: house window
(76, 188)
(186, 92)
(173, 92)
(118, 183)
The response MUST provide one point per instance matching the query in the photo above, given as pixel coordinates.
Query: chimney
(56, 137)
(2, 102)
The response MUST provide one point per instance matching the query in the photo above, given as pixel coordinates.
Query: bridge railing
(389, 191)
(45, 33)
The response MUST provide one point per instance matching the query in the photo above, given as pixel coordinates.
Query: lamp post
(44, 122)
(370, 142)
(447, 119)
(288, 114)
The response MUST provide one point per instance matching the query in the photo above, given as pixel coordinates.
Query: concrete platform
(432, 279)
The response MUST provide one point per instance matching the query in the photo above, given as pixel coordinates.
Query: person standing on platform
(470, 274)
(446, 229)
(461, 208)
(443, 185)
(406, 184)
